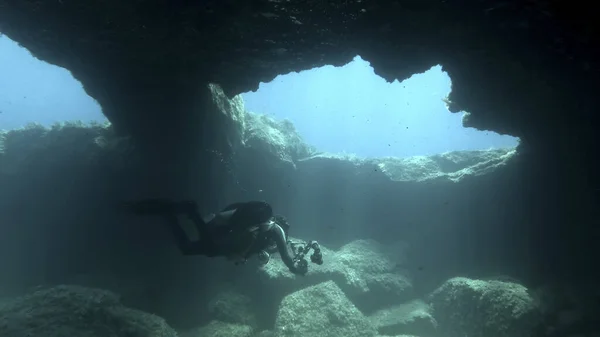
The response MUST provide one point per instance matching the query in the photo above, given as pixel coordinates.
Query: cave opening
(351, 110)
(34, 91)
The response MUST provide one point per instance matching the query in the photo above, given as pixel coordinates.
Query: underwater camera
(302, 249)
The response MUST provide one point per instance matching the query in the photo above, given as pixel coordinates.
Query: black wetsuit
(225, 233)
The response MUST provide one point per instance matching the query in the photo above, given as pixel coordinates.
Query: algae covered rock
(278, 140)
(232, 307)
(220, 329)
(367, 271)
(34, 147)
(77, 311)
(476, 308)
(322, 310)
(411, 318)
(228, 114)
(451, 166)
(374, 268)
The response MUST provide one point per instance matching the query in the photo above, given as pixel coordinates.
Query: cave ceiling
(516, 66)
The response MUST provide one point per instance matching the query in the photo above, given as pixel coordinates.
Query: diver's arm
(280, 239)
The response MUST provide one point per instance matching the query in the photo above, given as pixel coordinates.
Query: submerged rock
(35, 146)
(278, 140)
(412, 318)
(452, 166)
(367, 271)
(569, 309)
(476, 308)
(321, 311)
(265, 333)
(232, 307)
(77, 311)
(220, 329)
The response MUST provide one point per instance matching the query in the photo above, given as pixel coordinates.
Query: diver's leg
(199, 223)
(190, 209)
(186, 246)
(170, 210)
(251, 213)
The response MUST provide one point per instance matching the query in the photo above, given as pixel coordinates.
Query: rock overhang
(511, 63)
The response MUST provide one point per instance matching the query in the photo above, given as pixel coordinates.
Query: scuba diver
(238, 232)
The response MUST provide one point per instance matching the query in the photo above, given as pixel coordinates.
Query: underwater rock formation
(321, 311)
(265, 333)
(280, 141)
(229, 115)
(568, 310)
(76, 311)
(33, 146)
(232, 307)
(273, 142)
(452, 166)
(479, 308)
(369, 273)
(144, 69)
(220, 329)
(411, 318)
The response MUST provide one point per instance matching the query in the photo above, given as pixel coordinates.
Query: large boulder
(368, 272)
(77, 311)
(477, 308)
(411, 318)
(321, 311)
